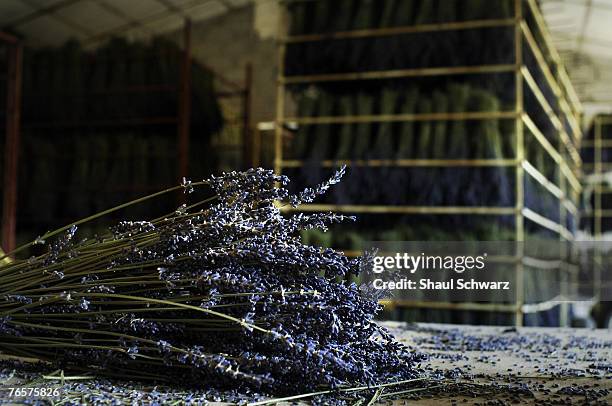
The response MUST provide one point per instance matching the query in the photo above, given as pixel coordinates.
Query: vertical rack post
(598, 206)
(184, 113)
(11, 163)
(564, 269)
(247, 134)
(280, 92)
(519, 221)
(598, 171)
(256, 146)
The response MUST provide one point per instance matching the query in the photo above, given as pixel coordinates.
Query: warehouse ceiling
(582, 32)
(580, 28)
(52, 22)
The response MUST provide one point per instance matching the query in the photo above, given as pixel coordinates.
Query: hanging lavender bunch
(223, 297)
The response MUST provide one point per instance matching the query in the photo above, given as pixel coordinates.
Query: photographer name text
(451, 284)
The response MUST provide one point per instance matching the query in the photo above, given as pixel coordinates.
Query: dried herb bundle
(226, 297)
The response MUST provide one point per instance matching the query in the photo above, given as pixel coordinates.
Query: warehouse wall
(228, 42)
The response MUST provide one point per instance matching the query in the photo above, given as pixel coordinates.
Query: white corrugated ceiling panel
(582, 31)
(46, 3)
(12, 10)
(168, 23)
(47, 30)
(50, 22)
(90, 15)
(208, 10)
(138, 9)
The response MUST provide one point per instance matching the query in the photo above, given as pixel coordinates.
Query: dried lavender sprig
(308, 195)
(157, 293)
(60, 230)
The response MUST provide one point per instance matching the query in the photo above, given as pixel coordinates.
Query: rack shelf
(396, 118)
(347, 208)
(381, 32)
(144, 111)
(560, 144)
(397, 74)
(406, 163)
(600, 164)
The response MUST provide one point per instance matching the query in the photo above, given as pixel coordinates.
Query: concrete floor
(468, 365)
(557, 365)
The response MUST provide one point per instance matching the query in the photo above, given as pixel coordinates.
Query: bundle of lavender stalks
(220, 294)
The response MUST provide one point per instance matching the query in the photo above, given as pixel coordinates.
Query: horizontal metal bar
(538, 263)
(266, 126)
(381, 209)
(591, 143)
(598, 213)
(104, 123)
(543, 306)
(542, 180)
(547, 223)
(388, 31)
(550, 186)
(565, 79)
(541, 138)
(552, 82)
(230, 93)
(485, 307)
(602, 189)
(406, 163)
(153, 88)
(400, 73)
(351, 253)
(9, 38)
(550, 79)
(604, 120)
(382, 118)
(554, 154)
(591, 165)
(531, 83)
(570, 206)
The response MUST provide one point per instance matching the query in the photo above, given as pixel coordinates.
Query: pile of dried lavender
(223, 297)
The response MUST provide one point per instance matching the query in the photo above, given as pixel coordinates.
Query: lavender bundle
(223, 297)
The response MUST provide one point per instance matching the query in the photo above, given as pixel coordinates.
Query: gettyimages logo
(413, 263)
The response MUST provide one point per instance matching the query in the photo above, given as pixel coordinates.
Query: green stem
(354, 389)
(97, 215)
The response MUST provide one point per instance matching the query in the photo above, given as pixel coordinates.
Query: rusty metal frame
(247, 133)
(184, 111)
(242, 93)
(11, 152)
